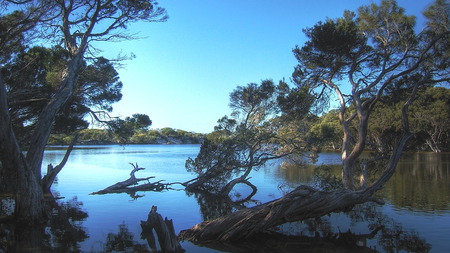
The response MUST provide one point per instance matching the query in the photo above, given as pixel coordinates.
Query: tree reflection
(420, 182)
(123, 241)
(392, 236)
(322, 235)
(165, 240)
(62, 233)
(214, 206)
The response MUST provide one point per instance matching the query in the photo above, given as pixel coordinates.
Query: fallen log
(131, 186)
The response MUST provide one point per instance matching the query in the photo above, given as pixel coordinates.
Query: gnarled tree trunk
(18, 178)
(302, 203)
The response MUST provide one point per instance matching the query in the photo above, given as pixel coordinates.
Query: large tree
(28, 93)
(75, 24)
(361, 58)
(366, 55)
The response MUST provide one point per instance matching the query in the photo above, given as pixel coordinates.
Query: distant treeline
(102, 136)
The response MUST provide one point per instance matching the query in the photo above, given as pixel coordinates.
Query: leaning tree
(359, 58)
(248, 139)
(74, 24)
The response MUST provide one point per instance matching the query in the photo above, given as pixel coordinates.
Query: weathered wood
(164, 230)
(124, 186)
(16, 177)
(303, 203)
(52, 172)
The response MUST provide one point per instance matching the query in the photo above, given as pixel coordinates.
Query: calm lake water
(416, 215)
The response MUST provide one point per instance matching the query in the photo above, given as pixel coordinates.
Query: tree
(429, 121)
(431, 118)
(239, 144)
(29, 92)
(374, 52)
(124, 129)
(76, 24)
(326, 130)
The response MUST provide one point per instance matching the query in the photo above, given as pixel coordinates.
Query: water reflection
(92, 169)
(322, 235)
(213, 206)
(63, 232)
(421, 181)
(123, 241)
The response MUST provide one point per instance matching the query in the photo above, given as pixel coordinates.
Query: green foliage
(332, 44)
(326, 131)
(125, 128)
(41, 72)
(13, 27)
(142, 136)
(252, 135)
(431, 118)
(294, 102)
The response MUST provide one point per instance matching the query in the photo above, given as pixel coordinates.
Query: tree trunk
(242, 179)
(46, 118)
(18, 179)
(302, 203)
(22, 176)
(52, 172)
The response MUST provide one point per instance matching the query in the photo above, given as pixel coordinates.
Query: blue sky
(185, 68)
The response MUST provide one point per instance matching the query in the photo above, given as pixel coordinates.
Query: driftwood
(131, 186)
(167, 239)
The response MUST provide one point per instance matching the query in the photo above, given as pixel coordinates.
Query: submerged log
(167, 239)
(131, 184)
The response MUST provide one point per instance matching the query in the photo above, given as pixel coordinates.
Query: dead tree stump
(168, 240)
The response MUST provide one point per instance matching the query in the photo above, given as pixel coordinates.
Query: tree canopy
(40, 70)
(364, 56)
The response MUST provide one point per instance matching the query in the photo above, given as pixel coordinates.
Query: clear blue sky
(185, 68)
